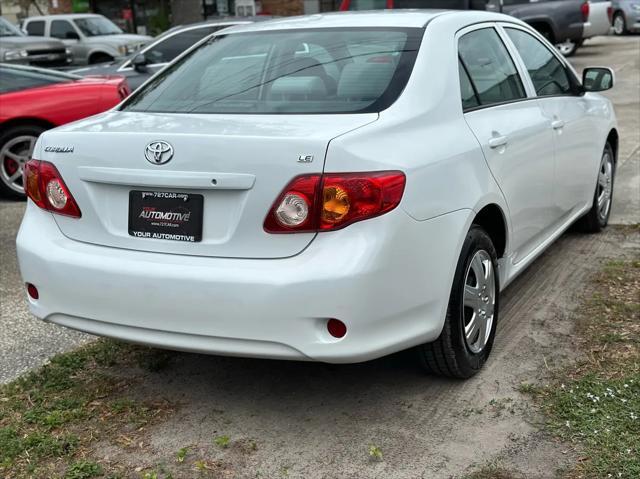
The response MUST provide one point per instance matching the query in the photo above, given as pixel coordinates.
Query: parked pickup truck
(560, 21)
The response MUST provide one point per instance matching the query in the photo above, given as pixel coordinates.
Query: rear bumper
(388, 279)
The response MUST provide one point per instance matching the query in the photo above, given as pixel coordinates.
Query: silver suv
(626, 16)
(92, 38)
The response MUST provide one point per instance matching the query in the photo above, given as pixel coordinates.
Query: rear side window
(328, 70)
(469, 96)
(549, 75)
(60, 28)
(490, 68)
(36, 28)
(171, 47)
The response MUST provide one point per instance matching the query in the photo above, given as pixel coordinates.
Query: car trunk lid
(237, 163)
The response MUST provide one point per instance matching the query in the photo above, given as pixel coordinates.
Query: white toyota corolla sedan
(331, 188)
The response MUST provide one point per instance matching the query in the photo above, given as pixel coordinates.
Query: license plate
(165, 215)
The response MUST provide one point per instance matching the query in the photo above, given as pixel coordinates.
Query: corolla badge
(158, 152)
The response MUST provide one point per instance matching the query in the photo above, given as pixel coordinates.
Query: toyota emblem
(158, 152)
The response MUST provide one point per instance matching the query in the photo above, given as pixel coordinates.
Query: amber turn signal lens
(335, 204)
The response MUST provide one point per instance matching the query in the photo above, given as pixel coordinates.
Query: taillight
(316, 202)
(584, 8)
(610, 14)
(46, 188)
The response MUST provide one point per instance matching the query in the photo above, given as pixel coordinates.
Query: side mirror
(597, 78)
(139, 63)
(71, 36)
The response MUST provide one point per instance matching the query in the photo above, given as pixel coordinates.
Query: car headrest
(365, 81)
(294, 87)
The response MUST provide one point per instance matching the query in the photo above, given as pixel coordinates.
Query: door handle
(497, 141)
(557, 124)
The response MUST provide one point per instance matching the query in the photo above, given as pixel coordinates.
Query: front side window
(166, 50)
(96, 26)
(549, 75)
(62, 29)
(490, 68)
(328, 70)
(36, 28)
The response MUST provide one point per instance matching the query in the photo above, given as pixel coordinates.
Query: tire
(452, 354)
(16, 147)
(568, 48)
(597, 218)
(619, 24)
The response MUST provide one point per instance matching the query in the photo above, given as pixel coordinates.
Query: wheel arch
(613, 139)
(493, 220)
(541, 25)
(25, 121)
(98, 53)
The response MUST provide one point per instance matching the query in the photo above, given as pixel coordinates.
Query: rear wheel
(470, 325)
(619, 24)
(16, 148)
(568, 48)
(597, 217)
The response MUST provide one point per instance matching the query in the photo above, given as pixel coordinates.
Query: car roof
(62, 16)
(373, 18)
(409, 18)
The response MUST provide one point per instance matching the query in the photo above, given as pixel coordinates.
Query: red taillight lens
(295, 209)
(584, 8)
(610, 13)
(351, 197)
(46, 188)
(334, 200)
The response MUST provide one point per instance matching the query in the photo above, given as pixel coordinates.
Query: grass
(595, 403)
(50, 418)
(492, 471)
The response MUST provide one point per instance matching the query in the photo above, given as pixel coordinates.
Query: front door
(568, 117)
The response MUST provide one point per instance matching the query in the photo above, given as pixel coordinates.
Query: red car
(33, 100)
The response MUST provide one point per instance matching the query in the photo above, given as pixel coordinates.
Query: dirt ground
(310, 421)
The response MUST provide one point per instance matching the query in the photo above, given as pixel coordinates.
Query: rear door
(513, 131)
(567, 113)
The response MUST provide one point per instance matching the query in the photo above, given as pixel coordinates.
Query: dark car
(140, 66)
(18, 48)
(560, 21)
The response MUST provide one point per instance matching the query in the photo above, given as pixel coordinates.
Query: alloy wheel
(479, 301)
(605, 186)
(566, 48)
(618, 25)
(13, 156)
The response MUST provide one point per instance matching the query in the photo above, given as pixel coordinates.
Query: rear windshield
(16, 79)
(335, 70)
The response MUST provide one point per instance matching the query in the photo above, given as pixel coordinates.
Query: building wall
(185, 11)
(60, 6)
(14, 11)
(283, 8)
